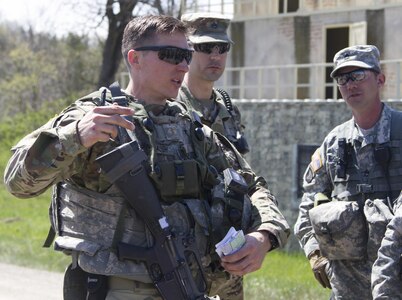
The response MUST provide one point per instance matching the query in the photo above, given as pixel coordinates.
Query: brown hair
(145, 28)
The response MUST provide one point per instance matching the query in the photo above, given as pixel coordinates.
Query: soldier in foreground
(352, 181)
(208, 36)
(138, 180)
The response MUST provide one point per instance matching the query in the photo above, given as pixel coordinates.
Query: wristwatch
(273, 240)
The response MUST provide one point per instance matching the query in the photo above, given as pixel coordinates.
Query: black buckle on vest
(364, 188)
(179, 170)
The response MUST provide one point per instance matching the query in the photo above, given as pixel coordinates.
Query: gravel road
(19, 283)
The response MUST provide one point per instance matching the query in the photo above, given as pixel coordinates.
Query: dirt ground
(19, 283)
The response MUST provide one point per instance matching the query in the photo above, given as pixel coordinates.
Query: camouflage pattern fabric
(216, 115)
(364, 56)
(228, 287)
(53, 154)
(387, 269)
(348, 278)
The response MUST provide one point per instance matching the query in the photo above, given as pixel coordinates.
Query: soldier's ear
(380, 79)
(132, 57)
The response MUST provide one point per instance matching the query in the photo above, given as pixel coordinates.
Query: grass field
(24, 225)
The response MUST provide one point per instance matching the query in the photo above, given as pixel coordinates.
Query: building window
(288, 6)
(301, 159)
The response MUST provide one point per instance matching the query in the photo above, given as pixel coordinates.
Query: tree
(111, 51)
(118, 14)
(38, 69)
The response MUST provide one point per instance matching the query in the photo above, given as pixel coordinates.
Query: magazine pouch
(339, 227)
(378, 215)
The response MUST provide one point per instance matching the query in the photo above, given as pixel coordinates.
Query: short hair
(145, 28)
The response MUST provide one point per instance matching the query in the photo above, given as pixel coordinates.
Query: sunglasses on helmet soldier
(209, 47)
(170, 54)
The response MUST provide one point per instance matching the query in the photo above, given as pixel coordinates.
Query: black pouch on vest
(179, 179)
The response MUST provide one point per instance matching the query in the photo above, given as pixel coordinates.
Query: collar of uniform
(381, 130)
(190, 100)
(197, 105)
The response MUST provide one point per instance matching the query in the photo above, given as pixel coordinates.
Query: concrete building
(284, 48)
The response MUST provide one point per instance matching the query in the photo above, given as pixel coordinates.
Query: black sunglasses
(170, 54)
(209, 47)
(355, 75)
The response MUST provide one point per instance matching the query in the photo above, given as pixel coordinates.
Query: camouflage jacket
(321, 175)
(53, 154)
(387, 269)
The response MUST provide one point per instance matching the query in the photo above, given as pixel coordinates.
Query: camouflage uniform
(223, 117)
(387, 269)
(364, 183)
(215, 116)
(53, 155)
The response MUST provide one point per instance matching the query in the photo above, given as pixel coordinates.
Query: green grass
(284, 276)
(24, 225)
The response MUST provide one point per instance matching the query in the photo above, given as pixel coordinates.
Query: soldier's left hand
(249, 258)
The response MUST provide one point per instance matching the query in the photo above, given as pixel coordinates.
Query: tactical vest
(89, 223)
(366, 197)
(384, 179)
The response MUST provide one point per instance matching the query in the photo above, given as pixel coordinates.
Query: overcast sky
(54, 16)
(62, 16)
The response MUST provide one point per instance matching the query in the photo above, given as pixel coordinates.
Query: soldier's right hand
(100, 124)
(319, 265)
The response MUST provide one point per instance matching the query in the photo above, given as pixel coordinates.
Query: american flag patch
(316, 161)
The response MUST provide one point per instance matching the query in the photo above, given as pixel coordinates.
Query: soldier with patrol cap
(208, 36)
(353, 179)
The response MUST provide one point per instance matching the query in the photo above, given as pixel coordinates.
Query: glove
(318, 264)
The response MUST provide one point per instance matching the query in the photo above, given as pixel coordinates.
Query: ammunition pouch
(378, 215)
(340, 229)
(230, 206)
(178, 179)
(188, 218)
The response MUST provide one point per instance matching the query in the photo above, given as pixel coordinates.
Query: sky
(62, 16)
(55, 16)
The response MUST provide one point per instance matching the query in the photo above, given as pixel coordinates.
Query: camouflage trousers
(125, 289)
(226, 286)
(350, 280)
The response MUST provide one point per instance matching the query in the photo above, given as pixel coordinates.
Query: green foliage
(36, 69)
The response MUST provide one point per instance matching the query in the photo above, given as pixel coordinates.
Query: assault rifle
(169, 258)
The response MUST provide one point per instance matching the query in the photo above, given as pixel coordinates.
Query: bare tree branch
(111, 51)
